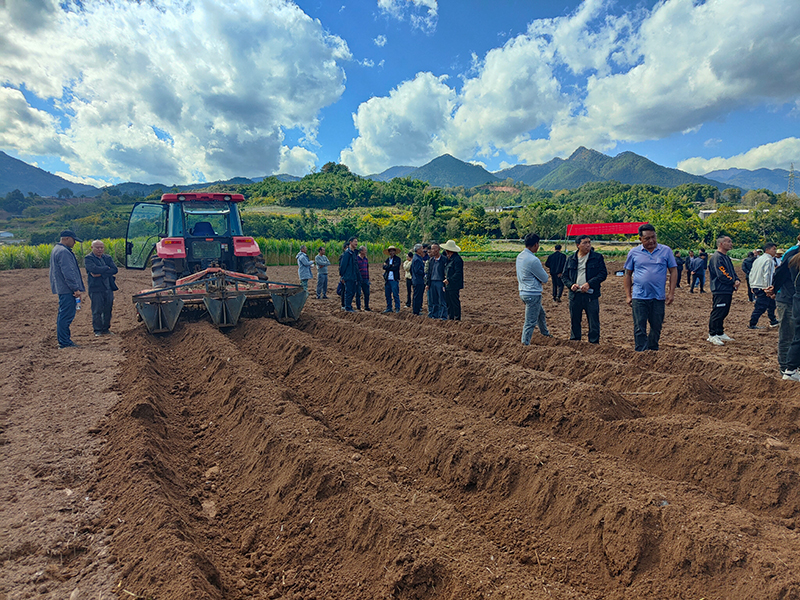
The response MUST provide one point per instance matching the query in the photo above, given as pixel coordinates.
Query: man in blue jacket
(531, 275)
(66, 281)
(583, 273)
(100, 271)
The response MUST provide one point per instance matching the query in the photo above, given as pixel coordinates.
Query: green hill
(448, 171)
(18, 175)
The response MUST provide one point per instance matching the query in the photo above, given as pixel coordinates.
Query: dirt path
(387, 456)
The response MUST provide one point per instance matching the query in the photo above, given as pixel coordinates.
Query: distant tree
(335, 169)
(65, 193)
(506, 226)
(732, 195)
(14, 202)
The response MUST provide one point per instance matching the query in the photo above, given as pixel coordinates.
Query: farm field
(364, 455)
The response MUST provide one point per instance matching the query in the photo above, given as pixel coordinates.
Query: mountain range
(583, 166)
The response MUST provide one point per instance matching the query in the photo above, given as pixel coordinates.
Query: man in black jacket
(391, 277)
(350, 274)
(724, 281)
(584, 271)
(100, 269)
(747, 266)
(453, 280)
(555, 263)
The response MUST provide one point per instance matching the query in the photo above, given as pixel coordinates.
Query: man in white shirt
(761, 279)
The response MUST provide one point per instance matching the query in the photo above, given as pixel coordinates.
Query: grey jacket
(65, 275)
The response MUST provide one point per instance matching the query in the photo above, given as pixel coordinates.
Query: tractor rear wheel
(254, 265)
(164, 272)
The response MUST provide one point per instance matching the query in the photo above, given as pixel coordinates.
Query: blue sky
(177, 91)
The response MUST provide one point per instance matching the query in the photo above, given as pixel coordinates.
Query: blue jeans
(66, 313)
(534, 315)
(322, 285)
(392, 290)
(644, 312)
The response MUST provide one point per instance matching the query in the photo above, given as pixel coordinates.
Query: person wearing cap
(391, 278)
(100, 271)
(66, 281)
(453, 280)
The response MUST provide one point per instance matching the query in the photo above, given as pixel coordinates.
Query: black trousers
(584, 303)
(558, 286)
(720, 307)
(419, 294)
(102, 302)
(680, 275)
(408, 291)
(453, 299)
(763, 304)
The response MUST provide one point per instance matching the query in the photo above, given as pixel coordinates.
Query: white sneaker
(715, 339)
(725, 337)
(791, 375)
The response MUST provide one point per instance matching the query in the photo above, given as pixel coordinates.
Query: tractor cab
(188, 233)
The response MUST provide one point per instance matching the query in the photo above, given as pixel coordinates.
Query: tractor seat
(202, 229)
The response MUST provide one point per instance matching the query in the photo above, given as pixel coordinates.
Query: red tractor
(201, 262)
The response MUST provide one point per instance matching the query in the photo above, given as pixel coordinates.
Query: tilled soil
(391, 456)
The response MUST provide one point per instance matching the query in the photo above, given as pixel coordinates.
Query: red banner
(602, 228)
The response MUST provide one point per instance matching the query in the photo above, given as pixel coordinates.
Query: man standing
(747, 266)
(418, 278)
(724, 281)
(100, 271)
(391, 277)
(688, 261)
(434, 280)
(531, 275)
(349, 273)
(584, 272)
(322, 262)
(679, 262)
(555, 262)
(66, 281)
(699, 266)
(363, 271)
(783, 287)
(453, 280)
(761, 279)
(304, 267)
(646, 271)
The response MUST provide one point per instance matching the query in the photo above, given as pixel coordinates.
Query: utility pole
(790, 188)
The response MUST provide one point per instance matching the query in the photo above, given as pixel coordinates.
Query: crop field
(370, 456)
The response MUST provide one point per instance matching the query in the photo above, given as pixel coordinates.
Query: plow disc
(222, 295)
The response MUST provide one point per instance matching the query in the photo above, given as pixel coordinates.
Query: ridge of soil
(389, 456)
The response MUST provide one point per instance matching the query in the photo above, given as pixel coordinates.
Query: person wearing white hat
(391, 278)
(453, 280)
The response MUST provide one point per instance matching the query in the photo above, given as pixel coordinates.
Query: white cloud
(224, 80)
(380, 41)
(296, 161)
(403, 128)
(423, 14)
(27, 129)
(595, 78)
(776, 155)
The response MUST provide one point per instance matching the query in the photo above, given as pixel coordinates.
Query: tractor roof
(202, 197)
